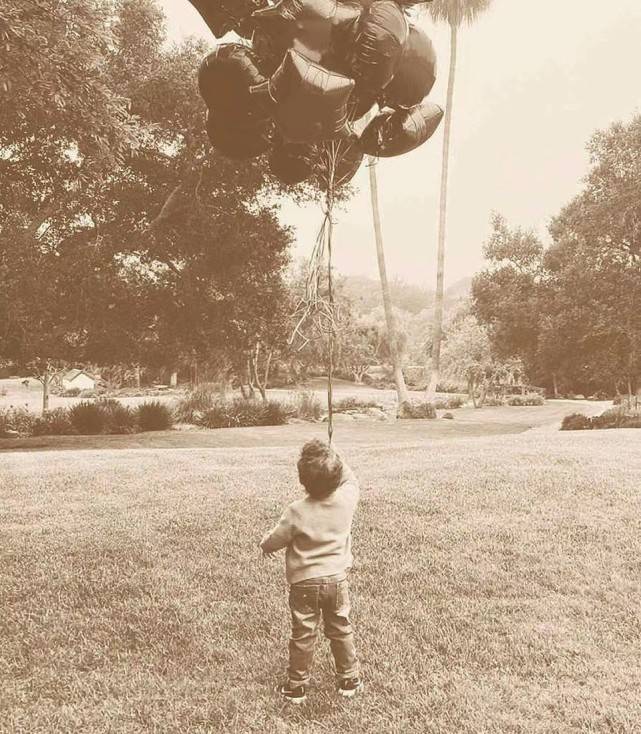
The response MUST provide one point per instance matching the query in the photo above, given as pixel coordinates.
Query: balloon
(416, 72)
(225, 78)
(238, 138)
(310, 102)
(382, 33)
(397, 132)
(320, 30)
(292, 163)
(344, 157)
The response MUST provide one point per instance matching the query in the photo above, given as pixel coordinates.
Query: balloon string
(329, 203)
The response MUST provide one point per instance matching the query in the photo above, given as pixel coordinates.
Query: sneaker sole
(351, 693)
(289, 699)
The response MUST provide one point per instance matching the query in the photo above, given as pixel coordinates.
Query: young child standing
(316, 531)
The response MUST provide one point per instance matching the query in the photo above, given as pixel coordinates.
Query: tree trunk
(555, 385)
(173, 379)
(630, 392)
(471, 390)
(437, 330)
(46, 379)
(399, 380)
(137, 375)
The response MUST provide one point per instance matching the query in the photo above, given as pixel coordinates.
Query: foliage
(450, 403)
(243, 413)
(354, 403)
(119, 418)
(197, 401)
(416, 410)
(154, 416)
(533, 399)
(54, 423)
(572, 313)
(308, 406)
(16, 419)
(87, 418)
(613, 418)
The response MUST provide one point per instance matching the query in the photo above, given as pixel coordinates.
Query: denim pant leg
(305, 611)
(338, 629)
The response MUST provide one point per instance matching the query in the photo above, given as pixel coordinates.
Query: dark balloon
(416, 71)
(310, 102)
(342, 159)
(225, 15)
(225, 78)
(238, 138)
(382, 33)
(394, 133)
(292, 163)
(320, 30)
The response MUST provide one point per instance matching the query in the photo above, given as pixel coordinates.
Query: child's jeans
(309, 599)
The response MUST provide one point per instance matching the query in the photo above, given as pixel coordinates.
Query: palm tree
(456, 13)
(392, 333)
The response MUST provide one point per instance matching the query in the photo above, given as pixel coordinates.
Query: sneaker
(349, 687)
(293, 694)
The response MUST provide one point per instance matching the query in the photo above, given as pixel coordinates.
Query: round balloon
(238, 138)
(310, 103)
(292, 163)
(225, 78)
(415, 73)
(397, 132)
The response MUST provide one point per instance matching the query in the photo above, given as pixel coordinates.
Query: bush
(20, 420)
(119, 419)
(72, 392)
(576, 422)
(54, 423)
(494, 401)
(197, 402)
(450, 403)
(308, 406)
(87, 418)
(523, 400)
(154, 416)
(345, 404)
(242, 413)
(416, 410)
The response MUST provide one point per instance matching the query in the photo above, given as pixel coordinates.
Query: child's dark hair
(320, 469)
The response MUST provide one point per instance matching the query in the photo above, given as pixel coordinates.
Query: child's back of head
(320, 469)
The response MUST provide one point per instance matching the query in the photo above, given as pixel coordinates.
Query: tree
(467, 355)
(455, 13)
(390, 319)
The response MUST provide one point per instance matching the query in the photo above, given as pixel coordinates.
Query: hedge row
(613, 418)
(88, 418)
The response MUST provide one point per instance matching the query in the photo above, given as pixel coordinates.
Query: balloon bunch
(312, 69)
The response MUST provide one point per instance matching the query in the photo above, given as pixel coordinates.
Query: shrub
(54, 423)
(20, 420)
(197, 401)
(576, 422)
(119, 419)
(523, 400)
(308, 406)
(351, 403)
(242, 413)
(87, 418)
(72, 392)
(87, 394)
(494, 401)
(154, 416)
(450, 403)
(416, 410)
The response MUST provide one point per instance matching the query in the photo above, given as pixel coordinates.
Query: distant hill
(365, 294)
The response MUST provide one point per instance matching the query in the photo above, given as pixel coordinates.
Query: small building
(78, 379)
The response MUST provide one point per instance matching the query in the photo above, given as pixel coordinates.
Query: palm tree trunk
(437, 331)
(399, 379)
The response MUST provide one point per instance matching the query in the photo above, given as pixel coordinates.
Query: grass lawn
(497, 587)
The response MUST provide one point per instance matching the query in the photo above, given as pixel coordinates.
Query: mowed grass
(496, 589)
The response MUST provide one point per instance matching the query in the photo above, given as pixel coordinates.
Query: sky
(534, 81)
